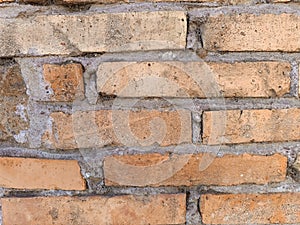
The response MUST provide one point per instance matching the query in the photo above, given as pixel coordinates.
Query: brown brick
(245, 126)
(13, 101)
(188, 170)
(100, 210)
(27, 173)
(11, 80)
(250, 208)
(119, 128)
(250, 32)
(107, 32)
(66, 81)
(190, 79)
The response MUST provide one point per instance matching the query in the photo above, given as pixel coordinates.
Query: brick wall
(149, 112)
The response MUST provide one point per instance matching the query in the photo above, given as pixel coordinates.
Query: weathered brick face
(250, 32)
(65, 81)
(13, 101)
(190, 79)
(245, 126)
(118, 128)
(188, 170)
(149, 112)
(250, 208)
(156, 209)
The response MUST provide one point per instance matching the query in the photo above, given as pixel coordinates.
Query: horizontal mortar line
(251, 148)
(251, 56)
(39, 153)
(282, 187)
(283, 53)
(258, 9)
(181, 103)
(106, 192)
(184, 55)
(121, 56)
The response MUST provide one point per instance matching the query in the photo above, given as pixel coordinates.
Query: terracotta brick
(100, 210)
(28, 173)
(119, 128)
(245, 126)
(194, 79)
(188, 170)
(106, 32)
(65, 81)
(250, 32)
(13, 101)
(250, 208)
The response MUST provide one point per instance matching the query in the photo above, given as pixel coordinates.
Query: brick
(65, 81)
(101, 210)
(250, 32)
(115, 32)
(187, 170)
(28, 173)
(245, 126)
(250, 208)
(13, 101)
(118, 128)
(193, 79)
(11, 80)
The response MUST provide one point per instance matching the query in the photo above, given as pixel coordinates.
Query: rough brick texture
(64, 34)
(162, 112)
(245, 126)
(187, 170)
(65, 81)
(250, 32)
(26, 173)
(154, 210)
(13, 101)
(193, 79)
(250, 208)
(129, 128)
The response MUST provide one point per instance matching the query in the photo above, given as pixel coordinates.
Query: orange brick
(250, 208)
(129, 128)
(188, 170)
(100, 210)
(66, 81)
(194, 79)
(245, 126)
(250, 32)
(27, 173)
